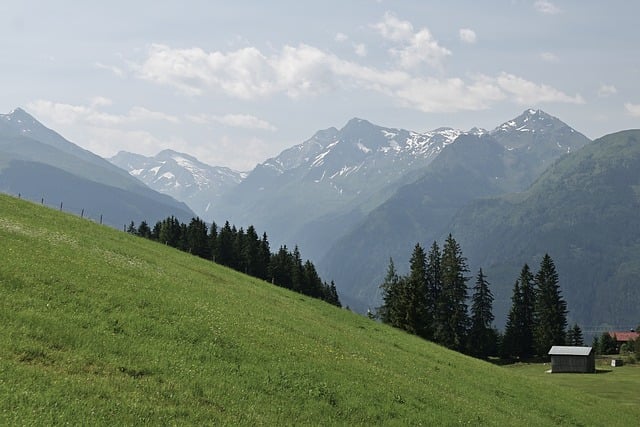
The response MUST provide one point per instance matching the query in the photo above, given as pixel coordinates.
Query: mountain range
(39, 164)
(181, 176)
(506, 159)
(356, 196)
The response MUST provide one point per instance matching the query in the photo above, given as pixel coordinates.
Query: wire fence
(79, 211)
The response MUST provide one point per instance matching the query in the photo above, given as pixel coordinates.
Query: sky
(235, 83)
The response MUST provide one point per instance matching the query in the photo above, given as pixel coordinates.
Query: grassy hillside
(103, 328)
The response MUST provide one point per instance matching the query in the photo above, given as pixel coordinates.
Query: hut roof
(625, 336)
(565, 350)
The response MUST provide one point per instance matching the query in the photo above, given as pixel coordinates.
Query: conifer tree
(144, 230)
(390, 311)
(414, 295)
(280, 268)
(197, 239)
(333, 295)
(213, 241)
(433, 292)
(550, 308)
(296, 269)
(224, 246)
(518, 336)
(574, 336)
(454, 323)
(131, 229)
(482, 336)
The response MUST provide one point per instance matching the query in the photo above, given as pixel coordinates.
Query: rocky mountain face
(39, 164)
(312, 193)
(506, 159)
(181, 176)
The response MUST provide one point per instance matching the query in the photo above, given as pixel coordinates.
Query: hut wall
(570, 363)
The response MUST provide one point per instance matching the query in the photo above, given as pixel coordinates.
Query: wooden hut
(572, 359)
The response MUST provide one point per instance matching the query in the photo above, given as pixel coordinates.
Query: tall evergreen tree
(390, 311)
(482, 336)
(280, 268)
(224, 247)
(296, 273)
(574, 336)
(453, 326)
(144, 230)
(518, 336)
(550, 308)
(433, 291)
(197, 239)
(414, 295)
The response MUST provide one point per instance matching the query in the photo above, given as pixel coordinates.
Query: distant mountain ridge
(313, 192)
(181, 176)
(39, 163)
(506, 159)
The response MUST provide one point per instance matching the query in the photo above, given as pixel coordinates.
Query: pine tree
(518, 335)
(390, 310)
(482, 336)
(453, 326)
(131, 229)
(414, 295)
(197, 239)
(574, 336)
(224, 246)
(550, 308)
(144, 230)
(433, 292)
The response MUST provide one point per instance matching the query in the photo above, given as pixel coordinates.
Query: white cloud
(525, 92)
(115, 70)
(91, 115)
(415, 47)
(607, 90)
(245, 121)
(632, 109)
(546, 7)
(394, 29)
(306, 71)
(467, 35)
(341, 37)
(360, 49)
(548, 57)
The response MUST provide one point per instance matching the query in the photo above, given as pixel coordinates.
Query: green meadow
(99, 327)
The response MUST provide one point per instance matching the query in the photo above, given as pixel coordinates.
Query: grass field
(620, 384)
(103, 328)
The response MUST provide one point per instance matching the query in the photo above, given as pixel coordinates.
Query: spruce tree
(197, 239)
(414, 295)
(518, 335)
(390, 311)
(433, 291)
(144, 230)
(224, 245)
(574, 336)
(482, 336)
(550, 308)
(453, 326)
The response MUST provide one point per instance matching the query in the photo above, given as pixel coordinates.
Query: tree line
(433, 302)
(241, 250)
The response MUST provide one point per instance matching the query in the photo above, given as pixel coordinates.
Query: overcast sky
(236, 82)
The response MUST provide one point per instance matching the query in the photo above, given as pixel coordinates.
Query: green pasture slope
(98, 327)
